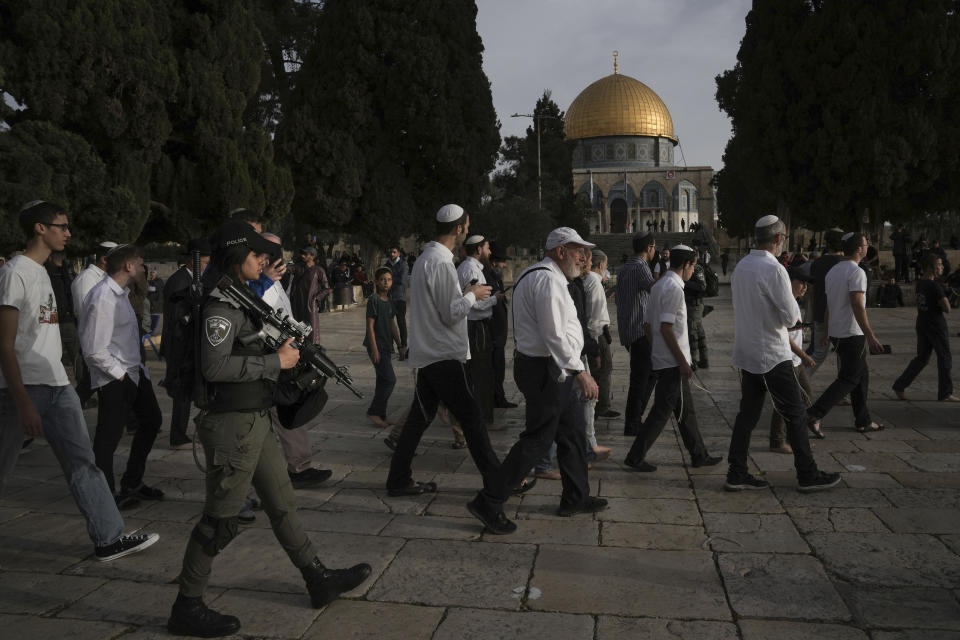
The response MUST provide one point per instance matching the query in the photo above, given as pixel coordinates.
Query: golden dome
(618, 105)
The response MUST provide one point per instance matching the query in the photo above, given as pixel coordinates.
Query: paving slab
(475, 574)
(874, 462)
(640, 486)
(904, 607)
(781, 630)
(479, 624)
(575, 531)
(265, 614)
(780, 586)
(628, 582)
(753, 532)
(907, 560)
(920, 520)
(868, 480)
(360, 522)
(615, 628)
(922, 498)
(848, 497)
(43, 542)
(38, 593)
(657, 511)
(34, 627)
(641, 535)
(433, 527)
(124, 601)
(916, 634)
(713, 498)
(359, 620)
(839, 519)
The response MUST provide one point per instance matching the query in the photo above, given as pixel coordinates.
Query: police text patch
(217, 330)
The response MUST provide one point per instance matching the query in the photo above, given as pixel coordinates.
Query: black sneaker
(326, 585)
(706, 461)
(609, 413)
(746, 482)
(191, 617)
(125, 545)
(496, 523)
(590, 505)
(309, 478)
(820, 482)
(143, 492)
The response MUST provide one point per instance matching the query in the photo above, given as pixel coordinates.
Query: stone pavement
(673, 556)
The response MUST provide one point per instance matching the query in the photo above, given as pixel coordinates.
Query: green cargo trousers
(695, 333)
(240, 449)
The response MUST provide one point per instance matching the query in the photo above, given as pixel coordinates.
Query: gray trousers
(66, 432)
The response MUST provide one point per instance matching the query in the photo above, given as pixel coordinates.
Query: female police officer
(239, 446)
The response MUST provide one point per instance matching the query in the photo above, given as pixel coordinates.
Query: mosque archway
(619, 222)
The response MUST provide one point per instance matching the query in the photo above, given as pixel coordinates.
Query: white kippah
(449, 213)
(477, 239)
(846, 236)
(681, 247)
(107, 244)
(767, 220)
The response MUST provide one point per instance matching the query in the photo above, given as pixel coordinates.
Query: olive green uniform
(693, 292)
(239, 445)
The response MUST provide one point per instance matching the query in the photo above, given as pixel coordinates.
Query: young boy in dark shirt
(381, 332)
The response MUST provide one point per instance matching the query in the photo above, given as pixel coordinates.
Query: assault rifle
(277, 328)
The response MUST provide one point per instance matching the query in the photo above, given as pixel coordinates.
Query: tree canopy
(841, 108)
(151, 120)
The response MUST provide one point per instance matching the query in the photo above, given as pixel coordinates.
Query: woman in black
(932, 304)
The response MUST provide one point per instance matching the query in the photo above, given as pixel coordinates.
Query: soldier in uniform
(693, 292)
(239, 446)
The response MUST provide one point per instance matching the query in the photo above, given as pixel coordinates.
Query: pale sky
(675, 47)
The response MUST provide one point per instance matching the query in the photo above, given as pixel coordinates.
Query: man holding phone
(848, 326)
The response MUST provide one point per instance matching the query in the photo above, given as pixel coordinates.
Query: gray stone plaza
(674, 556)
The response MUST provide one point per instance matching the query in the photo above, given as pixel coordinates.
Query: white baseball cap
(565, 235)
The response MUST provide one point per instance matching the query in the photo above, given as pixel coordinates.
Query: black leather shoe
(609, 413)
(326, 585)
(496, 523)
(590, 505)
(309, 477)
(642, 466)
(191, 617)
(506, 405)
(706, 461)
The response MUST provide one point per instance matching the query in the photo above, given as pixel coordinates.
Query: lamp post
(537, 117)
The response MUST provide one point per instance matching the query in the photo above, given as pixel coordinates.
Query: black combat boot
(191, 617)
(326, 585)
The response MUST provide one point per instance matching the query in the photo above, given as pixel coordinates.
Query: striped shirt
(633, 290)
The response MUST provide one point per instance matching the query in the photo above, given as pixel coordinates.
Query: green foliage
(390, 118)
(512, 215)
(841, 106)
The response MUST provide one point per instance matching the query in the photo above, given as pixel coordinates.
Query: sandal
(870, 428)
(814, 428)
(526, 485)
(413, 489)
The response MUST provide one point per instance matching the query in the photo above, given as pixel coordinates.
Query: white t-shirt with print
(843, 277)
(25, 285)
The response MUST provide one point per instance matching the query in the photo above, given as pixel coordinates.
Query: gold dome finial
(615, 54)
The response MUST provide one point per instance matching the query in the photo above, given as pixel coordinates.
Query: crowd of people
(253, 433)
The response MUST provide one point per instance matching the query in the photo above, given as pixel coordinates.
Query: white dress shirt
(598, 316)
(438, 309)
(763, 309)
(843, 278)
(544, 318)
(110, 335)
(667, 305)
(472, 269)
(81, 286)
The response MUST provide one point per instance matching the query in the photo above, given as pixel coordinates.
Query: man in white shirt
(110, 339)
(665, 325)
(599, 327)
(764, 310)
(36, 398)
(547, 363)
(847, 324)
(439, 352)
(480, 364)
(79, 289)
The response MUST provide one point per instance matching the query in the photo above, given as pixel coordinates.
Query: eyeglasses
(62, 225)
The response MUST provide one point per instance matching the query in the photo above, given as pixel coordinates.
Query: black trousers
(642, 380)
(84, 390)
(179, 420)
(853, 377)
(498, 357)
(930, 338)
(551, 416)
(481, 365)
(117, 400)
(901, 267)
(447, 381)
(673, 396)
(400, 309)
(788, 401)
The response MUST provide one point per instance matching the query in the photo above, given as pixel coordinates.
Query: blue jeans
(386, 381)
(66, 432)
